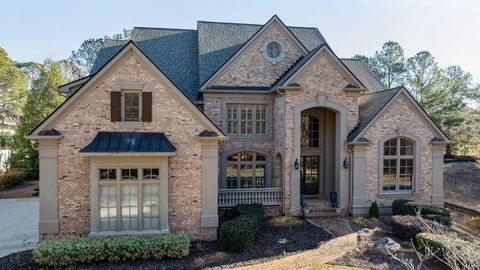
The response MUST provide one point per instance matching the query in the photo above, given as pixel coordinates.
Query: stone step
(323, 213)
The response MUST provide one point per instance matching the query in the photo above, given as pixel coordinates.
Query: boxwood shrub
(404, 207)
(438, 214)
(407, 227)
(71, 251)
(435, 243)
(447, 221)
(239, 233)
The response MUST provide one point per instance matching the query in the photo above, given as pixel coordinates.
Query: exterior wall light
(297, 164)
(345, 163)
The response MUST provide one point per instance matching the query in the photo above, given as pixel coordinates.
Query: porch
(265, 196)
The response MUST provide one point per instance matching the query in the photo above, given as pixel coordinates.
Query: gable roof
(372, 105)
(189, 57)
(72, 100)
(287, 78)
(364, 73)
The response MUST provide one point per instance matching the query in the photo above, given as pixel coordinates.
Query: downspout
(283, 167)
(350, 177)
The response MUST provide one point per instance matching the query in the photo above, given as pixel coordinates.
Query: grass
(475, 222)
(285, 221)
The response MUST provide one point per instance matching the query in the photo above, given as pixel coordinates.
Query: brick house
(175, 124)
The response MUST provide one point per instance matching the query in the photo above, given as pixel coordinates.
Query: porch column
(48, 154)
(209, 216)
(359, 167)
(437, 174)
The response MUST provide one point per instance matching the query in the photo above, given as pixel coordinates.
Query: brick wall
(92, 114)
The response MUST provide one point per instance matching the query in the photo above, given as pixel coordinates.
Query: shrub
(406, 227)
(11, 178)
(404, 207)
(437, 243)
(374, 211)
(60, 253)
(435, 211)
(239, 233)
(447, 221)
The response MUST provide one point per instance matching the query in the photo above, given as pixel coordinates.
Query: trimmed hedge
(438, 214)
(11, 179)
(406, 227)
(71, 251)
(239, 233)
(404, 207)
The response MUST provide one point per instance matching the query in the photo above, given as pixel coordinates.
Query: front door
(309, 172)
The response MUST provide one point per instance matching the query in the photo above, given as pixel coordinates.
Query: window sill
(145, 232)
(234, 138)
(130, 124)
(395, 194)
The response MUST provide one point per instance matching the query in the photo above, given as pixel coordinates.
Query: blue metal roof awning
(129, 143)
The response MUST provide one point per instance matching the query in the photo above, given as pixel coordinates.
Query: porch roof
(129, 142)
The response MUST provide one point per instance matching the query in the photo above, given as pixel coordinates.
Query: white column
(437, 174)
(48, 153)
(359, 166)
(209, 217)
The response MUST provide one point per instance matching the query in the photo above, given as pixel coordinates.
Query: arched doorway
(317, 142)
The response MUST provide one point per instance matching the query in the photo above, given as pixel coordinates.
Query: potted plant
(304, 205)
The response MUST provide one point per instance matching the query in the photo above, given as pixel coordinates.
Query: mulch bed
(209, 254)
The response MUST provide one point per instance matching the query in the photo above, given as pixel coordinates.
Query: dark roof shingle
(129, 142)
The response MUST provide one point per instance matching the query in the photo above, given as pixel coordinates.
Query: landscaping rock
(386, 246)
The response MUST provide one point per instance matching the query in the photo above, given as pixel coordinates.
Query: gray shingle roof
(129, 142)
(369, 106)
(190, 57)
(364, 73)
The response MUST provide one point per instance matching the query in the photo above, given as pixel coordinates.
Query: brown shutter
(116, 106)
(147, 106)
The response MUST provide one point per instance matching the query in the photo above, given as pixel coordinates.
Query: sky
(32, 30)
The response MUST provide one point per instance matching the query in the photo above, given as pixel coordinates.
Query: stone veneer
(251, 69)
(80, 126)
(399, 115)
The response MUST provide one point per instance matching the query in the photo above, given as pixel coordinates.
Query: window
(131, 106)
(246, 119)
(310, 131)
(129, 201)
(246, 170)
(398, 165)
(274, 49)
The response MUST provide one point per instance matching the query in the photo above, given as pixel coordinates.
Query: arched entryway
(317, 154)
(335, 178)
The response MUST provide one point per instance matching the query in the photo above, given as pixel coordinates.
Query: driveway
(18, 224)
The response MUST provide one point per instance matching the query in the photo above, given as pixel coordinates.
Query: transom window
(131, 106)
(129, 201)
(310, 131)
(246, 119)
(398, 165)
(246, 170)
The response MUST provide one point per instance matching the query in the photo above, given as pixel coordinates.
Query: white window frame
(139, 92)
(416, 164)
(126, 163)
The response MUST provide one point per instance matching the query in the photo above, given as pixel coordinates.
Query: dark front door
(309, 171)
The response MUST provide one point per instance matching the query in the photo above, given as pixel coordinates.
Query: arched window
(246, 170)
(310, 131)
(398, 164)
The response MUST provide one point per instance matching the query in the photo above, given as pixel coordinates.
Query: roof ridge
(162, 28)
(384, 90)
(256, 24)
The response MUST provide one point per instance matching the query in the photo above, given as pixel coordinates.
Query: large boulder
(386, 246)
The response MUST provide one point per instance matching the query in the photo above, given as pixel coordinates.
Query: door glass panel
(309, 175)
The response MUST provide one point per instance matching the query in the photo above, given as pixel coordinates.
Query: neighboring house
(7, 131)
(176, 123)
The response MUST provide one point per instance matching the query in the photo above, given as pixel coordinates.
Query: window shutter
(116, 106)
(147, 106)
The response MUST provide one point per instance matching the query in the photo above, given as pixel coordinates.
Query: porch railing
(265, 196)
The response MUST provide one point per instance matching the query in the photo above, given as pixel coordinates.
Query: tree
(13, 87)
(388, 63)
(41, 100)
(84, 57)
